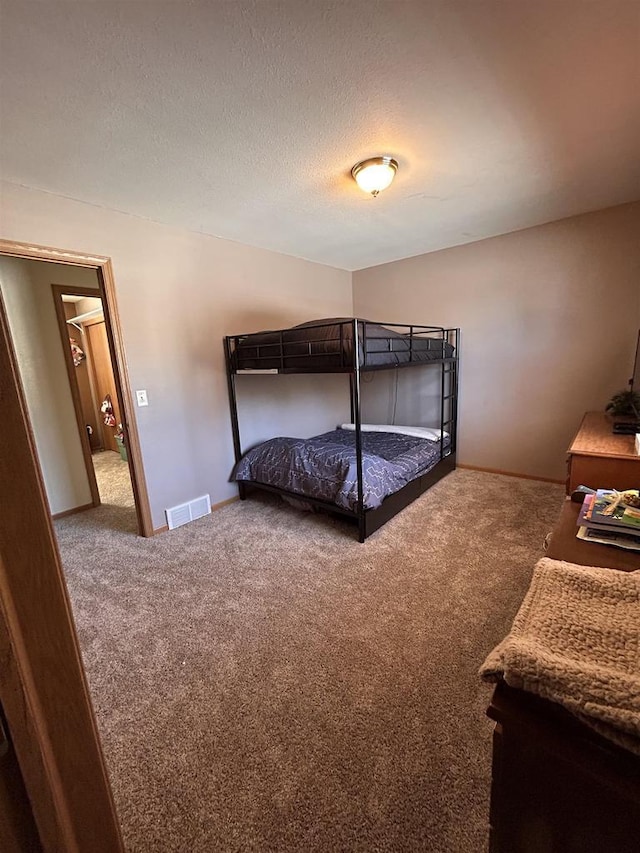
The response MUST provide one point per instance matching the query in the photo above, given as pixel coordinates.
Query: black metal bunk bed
(327, 346)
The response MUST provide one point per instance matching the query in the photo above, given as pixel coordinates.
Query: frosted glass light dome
(375, 174)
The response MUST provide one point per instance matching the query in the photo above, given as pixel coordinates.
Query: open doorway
(44, 471)
(44, 692)
(93, 385)
(81, 414)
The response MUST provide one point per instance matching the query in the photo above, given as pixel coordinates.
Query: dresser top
(595, 438)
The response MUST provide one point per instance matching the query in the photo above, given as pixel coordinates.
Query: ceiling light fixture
(375, 174)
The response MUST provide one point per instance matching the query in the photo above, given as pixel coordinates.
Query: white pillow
(417, 432)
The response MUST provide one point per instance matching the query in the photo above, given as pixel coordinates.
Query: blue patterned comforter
(324, 467)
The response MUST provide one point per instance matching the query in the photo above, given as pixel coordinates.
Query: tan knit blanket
(576, 641)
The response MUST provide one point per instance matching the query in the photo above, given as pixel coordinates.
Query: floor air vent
(182, 514)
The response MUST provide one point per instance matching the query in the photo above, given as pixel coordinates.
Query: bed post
(358, 430)
(352, 399)
(233, 409)
(443, 375)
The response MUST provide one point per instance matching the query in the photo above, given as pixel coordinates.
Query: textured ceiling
(243, 119)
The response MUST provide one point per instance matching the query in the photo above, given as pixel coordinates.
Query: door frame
(107, 290)
(87, 325)
(43, 687)
(58, 291)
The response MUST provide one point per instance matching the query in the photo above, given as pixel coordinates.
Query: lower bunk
(322, 472)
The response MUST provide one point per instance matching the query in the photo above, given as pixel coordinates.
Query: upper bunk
(326, 346)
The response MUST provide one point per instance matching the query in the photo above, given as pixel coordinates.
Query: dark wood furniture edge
(564, 545)
(567, 736)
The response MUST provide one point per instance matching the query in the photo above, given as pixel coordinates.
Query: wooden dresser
(600, 459)
(564, 545)
(558, 786)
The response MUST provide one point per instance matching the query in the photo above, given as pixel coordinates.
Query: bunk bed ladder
(442, 387)
(453, 411)
(449, 395)
(453, 391)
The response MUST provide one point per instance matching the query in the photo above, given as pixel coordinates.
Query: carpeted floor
(265, 683)
(114, 487)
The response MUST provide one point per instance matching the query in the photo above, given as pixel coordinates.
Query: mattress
(324, 467)
(328, 344)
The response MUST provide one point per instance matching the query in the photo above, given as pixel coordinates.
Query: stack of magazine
(611, 518)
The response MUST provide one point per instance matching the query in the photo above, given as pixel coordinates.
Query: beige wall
(549, 320)
(26, 289)
(548, 316)
(178, 293)
(89, 303)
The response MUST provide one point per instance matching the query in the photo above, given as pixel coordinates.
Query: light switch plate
(141, 397)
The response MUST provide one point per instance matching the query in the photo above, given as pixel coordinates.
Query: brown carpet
(265, 683)
(114, 480)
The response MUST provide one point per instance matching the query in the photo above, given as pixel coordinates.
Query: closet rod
(86, 316)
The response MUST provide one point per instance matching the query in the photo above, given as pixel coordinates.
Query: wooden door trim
(58, 290)
(94, 358)
(30, 751)
(121, 373)
(18, 829)
(67, 512)
(43, 687)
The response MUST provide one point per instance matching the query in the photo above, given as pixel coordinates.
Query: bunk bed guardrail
(330, 345)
